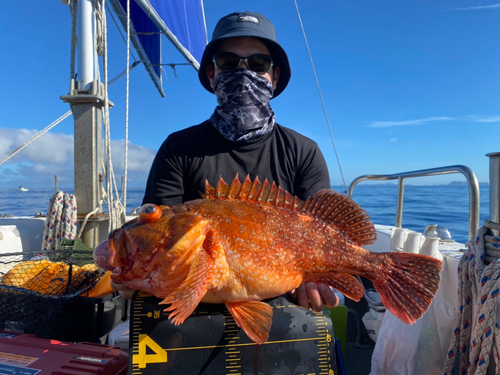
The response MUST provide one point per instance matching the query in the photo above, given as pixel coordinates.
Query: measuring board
(209, 342)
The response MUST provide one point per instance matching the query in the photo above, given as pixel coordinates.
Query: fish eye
(149, 212)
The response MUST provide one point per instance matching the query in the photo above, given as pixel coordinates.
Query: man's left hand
(314, 296)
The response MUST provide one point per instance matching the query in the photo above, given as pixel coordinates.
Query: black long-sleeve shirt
(189, 157)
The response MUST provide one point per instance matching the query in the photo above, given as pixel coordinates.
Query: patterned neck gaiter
(244, 111)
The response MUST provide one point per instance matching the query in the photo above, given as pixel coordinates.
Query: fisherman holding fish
(244, 66)
(198, 239)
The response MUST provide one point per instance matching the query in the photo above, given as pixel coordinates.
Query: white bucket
(372, 321)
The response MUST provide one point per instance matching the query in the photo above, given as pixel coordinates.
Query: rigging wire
(60, 119)
(120, 31)
(321, 96)
(35, 137)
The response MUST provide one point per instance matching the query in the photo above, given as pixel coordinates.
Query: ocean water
(446, 205)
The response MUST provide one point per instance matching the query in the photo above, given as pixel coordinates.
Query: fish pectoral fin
(179, 259)
(253, 317)
(188, 295)
(345, 283)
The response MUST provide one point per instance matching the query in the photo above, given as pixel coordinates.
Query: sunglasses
(229, 61)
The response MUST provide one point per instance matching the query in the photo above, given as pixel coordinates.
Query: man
(245, 67)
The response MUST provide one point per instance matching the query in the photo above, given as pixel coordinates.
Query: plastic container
(29, 355)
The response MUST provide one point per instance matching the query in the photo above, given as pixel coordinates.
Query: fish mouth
(101, 256)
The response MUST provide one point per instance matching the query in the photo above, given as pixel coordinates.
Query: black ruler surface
(209, 342)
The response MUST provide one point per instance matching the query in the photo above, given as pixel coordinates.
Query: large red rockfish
(247, 242)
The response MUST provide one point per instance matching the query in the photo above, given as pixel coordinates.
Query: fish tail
(408, 284)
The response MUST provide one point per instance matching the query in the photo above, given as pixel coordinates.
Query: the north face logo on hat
(247, 18)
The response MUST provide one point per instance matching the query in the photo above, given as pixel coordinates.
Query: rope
(61, 220)
(116, 210)
(125, 166)
(321, 97)
(479, 286)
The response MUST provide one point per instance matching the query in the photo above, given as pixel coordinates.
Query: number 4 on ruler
(142, 359)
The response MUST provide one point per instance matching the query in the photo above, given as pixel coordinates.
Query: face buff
(244, 111)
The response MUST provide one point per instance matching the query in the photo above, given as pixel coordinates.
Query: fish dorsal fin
(253, 191)
(344, 213)
(330, 205)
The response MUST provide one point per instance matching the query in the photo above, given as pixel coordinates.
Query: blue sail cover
(186, 20)
(182, 21)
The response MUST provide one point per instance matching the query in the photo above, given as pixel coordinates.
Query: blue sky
(407, 85)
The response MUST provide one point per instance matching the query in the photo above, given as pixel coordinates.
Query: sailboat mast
(87, 100)
(86, 50)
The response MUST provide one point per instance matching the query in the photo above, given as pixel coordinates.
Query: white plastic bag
(420, 348)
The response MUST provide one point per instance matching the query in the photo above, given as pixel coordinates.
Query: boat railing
(474, 202)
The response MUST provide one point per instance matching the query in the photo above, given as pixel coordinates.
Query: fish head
(134, 240)
(153, 239)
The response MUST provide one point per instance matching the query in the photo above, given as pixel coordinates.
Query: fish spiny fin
(253, 317)
(330, 205)
(344, 213)
(253, 191)
(222, 189)
(408, 284)
(345, 283)
(185, 299)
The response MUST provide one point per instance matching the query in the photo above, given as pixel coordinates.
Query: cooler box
(210, 343)
(24, 354)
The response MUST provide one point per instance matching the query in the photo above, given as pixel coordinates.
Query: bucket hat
(247, 24)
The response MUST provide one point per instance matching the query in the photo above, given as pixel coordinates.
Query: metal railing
(466, 171)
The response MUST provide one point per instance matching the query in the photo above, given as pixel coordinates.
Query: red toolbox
(25, 354)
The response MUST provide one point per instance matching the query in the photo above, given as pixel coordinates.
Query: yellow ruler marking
(239, 345)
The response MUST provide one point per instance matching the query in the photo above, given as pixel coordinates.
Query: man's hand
(314, 296)
(124, 290)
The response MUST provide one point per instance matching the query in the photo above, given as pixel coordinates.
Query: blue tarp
(183, 18)
(186, 21)
(150, 42)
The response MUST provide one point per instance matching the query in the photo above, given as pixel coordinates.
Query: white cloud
(479, 7)
(53, 154)
(139, 158)
(386, 124)
(469, 118)
(483, 119)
